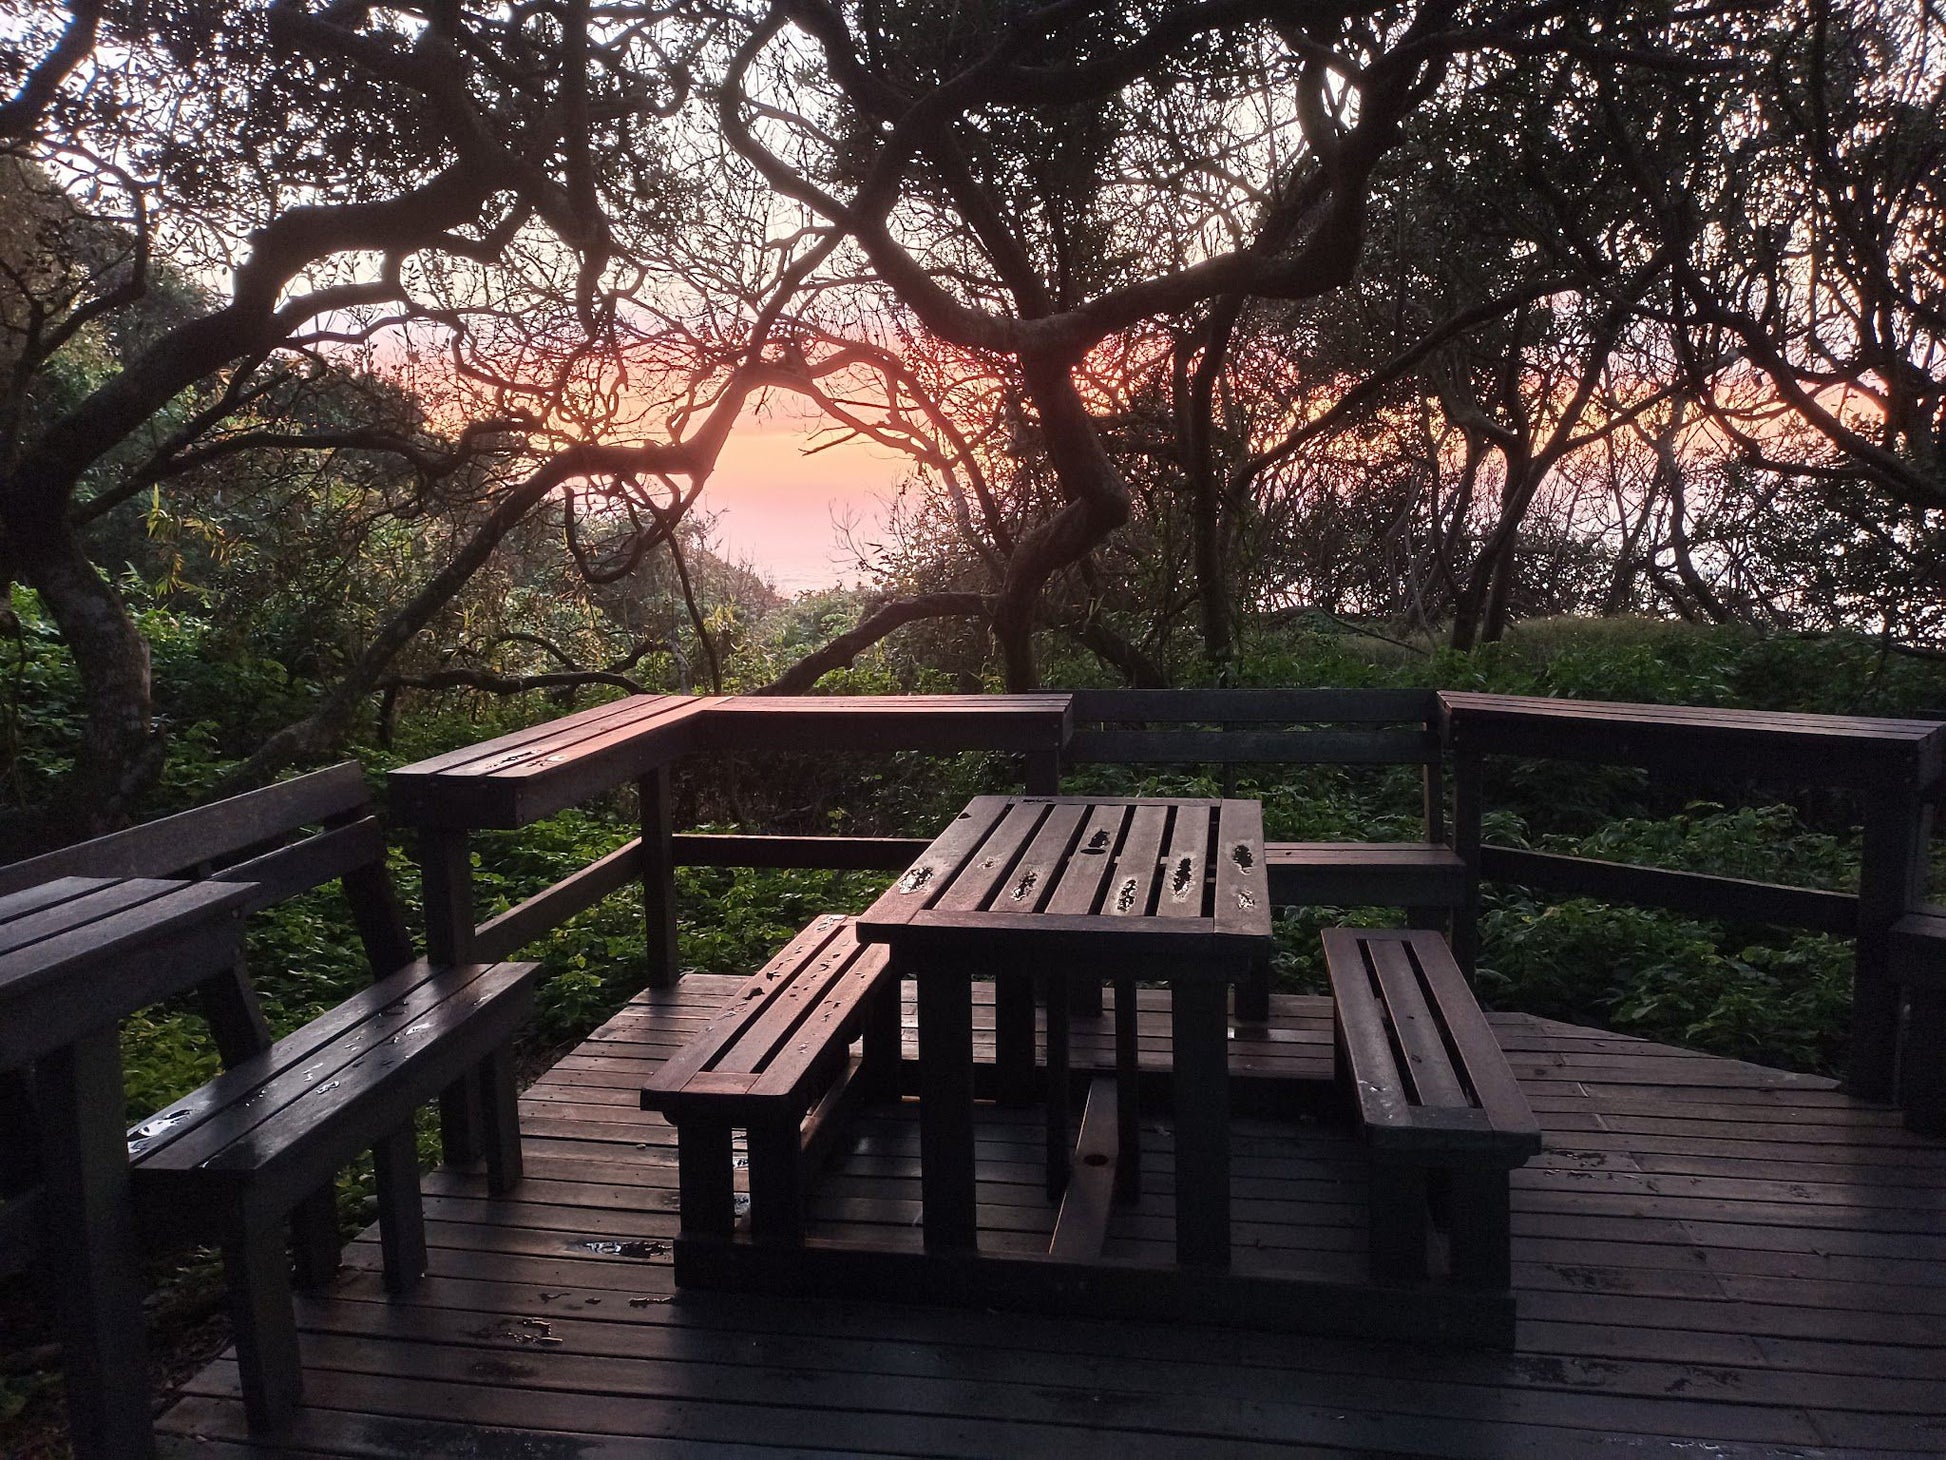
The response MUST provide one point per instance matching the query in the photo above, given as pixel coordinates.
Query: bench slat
(763, 1039)
(823, 1037)
(674, 1074)
(200, 1128)
(1486, 1065)
(1427, 1065)
(1475, 1108)
(781, 1033)
(1361, 1028)
(454, 1038)
(309, 863)
(63, 917)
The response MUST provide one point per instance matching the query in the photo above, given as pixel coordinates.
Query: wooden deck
(1711, 1258)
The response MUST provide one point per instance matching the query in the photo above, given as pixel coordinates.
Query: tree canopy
(408, 335)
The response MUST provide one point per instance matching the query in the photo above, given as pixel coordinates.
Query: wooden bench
(257, 1149)
(778, 1053)
(1442, 1119)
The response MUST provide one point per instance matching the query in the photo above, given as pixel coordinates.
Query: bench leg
(265, 1323)
(460, 1122)
(1481, 1228)
(315, 1247)
(776, 1182)
(705, 1178)
(1253, 996)
(1084, 997)
(499, 1120)
(401, 1213)
(1398, 1221)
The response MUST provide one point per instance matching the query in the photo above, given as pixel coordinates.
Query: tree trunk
(120, 755)
(1097, 504)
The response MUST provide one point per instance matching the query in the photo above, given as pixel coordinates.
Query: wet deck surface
(1707, 1252)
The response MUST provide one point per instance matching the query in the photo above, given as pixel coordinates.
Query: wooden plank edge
(1081, 1225)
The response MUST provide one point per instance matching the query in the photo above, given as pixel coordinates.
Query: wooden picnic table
(77, 955)
(1069, 888)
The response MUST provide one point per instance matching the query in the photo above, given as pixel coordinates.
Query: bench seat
(1436, 1103)
(232, 1162)
(1365, 874)
(778, 1052)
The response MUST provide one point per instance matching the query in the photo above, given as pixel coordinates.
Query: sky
(781, 510)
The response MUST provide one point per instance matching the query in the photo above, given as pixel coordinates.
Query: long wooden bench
(777, 1063)
(256, 1150)
(1441, 1116)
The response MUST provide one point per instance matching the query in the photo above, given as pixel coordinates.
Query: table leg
(946, 1109)
(1013, 1037)
(1200, 1027)
(1128, 1094)
(92, 1236)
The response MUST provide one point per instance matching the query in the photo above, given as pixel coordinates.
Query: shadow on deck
(1708, 1251)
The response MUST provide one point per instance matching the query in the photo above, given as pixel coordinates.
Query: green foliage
(1754, 992)
(1669, 978)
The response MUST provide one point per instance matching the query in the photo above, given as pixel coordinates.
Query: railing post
(1889, 881)
(446, 890)
(658, 879)
(1466, 841)
(1043, 772)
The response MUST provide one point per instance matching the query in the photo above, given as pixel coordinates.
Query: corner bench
(256, 1150)
(1442, 1119)
(779, 1052)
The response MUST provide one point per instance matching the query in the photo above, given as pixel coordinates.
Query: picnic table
(1072, 888)
(77, 954)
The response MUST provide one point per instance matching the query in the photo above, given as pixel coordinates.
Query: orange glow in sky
(781, 511)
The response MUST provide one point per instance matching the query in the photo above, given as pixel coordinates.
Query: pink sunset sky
(781, 510)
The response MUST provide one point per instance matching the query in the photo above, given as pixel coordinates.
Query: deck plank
(1707, 1252)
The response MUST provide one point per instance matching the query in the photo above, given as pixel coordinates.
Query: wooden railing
(1895, 766)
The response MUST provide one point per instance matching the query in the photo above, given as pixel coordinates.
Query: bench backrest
(263, 837)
